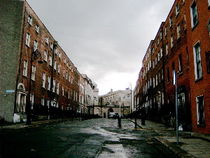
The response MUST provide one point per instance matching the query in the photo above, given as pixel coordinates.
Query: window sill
(199, 79)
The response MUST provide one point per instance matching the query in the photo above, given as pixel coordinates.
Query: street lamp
(35, 54)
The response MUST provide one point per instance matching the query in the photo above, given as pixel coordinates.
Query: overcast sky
(105, 39)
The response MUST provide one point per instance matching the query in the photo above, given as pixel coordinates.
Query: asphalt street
(96, 138)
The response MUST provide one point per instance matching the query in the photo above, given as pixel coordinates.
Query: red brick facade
(56, 78)
(186, 45)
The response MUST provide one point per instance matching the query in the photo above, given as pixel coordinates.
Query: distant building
(119, 101)
(90, 93)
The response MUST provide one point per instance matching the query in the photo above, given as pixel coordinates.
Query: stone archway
(21, 99)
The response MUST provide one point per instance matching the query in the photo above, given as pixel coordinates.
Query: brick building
(185, 47)
(37, 77)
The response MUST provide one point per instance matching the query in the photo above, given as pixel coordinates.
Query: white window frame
(28, 39)
(55, 65)
(59, 68)
(37, 28)
(195, 62)
(58, 86)
(25, 68)
(172, 41)
(47, 40)
(32, 100)
(43, 80)
(54, 85)
(35, 45)
(178, 31)
(45, 55)
(193, 24)
(49, 83)
(50, 60)
(166, 49)
(197, 109)
(177, 9)
(170, 22)
(30, 19)
(33, 73)
(42, 101)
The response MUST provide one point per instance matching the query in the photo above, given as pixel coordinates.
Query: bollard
(119, 122)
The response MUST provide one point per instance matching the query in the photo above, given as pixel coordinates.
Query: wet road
(100, 138)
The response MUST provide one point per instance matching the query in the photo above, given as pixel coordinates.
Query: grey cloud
(103, 37)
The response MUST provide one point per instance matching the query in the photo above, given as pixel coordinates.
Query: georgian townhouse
(185, 44)
(37, 77)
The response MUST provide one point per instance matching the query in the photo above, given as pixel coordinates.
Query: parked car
(113, 115)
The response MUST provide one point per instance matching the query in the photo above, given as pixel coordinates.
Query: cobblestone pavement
(191, 144)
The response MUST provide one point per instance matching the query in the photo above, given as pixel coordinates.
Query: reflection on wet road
(99, 138)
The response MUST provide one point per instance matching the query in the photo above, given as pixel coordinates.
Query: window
(28, 39)
(166, 49)
(180, 62)
(209, 3)
(30, 20)
(54, 84)
(55, 65)
(49, 83)
(25, 68)
(47, 40)
(50, 60)
(161, 53)
(45, 56)
(57, 91)
(194, 15)
(35, 45)
(42, 101)
(33, 73)
(170, 22)
(165, 31)
(208, 62)
(197, 62)
(172, 42)
(173, 70)
(200, 110)
(37, 28)
(59, 68)
(43, 80)
(62, 91)
(177, 9)
(161, 36)
(48, 103)
(178, 31)
(51, 46)
(32, 100)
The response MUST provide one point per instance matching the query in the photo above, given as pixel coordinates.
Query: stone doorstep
(174, 148)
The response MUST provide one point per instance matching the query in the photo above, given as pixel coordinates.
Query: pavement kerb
(174, 148)
(33, 124)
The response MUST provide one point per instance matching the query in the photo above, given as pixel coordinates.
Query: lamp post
(35, 54)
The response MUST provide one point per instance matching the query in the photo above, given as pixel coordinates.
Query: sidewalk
(33, 124)
(191, 144)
